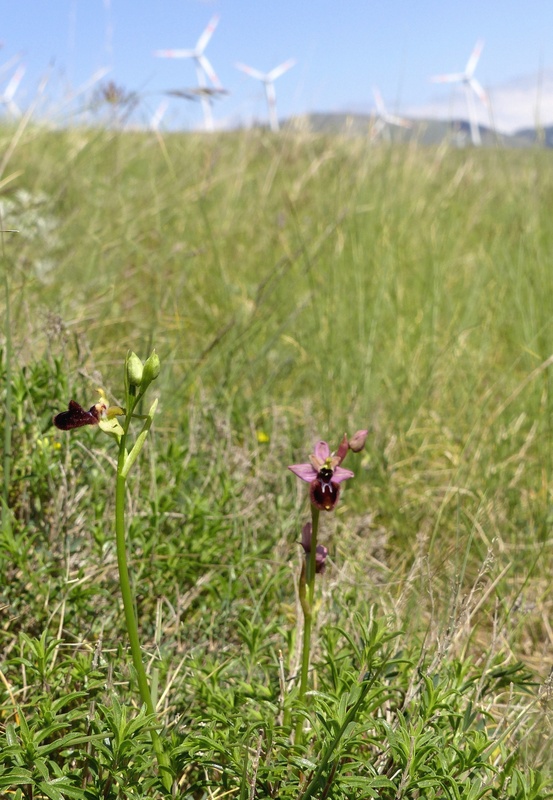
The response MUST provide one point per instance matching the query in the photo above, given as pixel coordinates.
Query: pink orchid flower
(324, 474)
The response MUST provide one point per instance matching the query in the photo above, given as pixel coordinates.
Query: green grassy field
(295, 287)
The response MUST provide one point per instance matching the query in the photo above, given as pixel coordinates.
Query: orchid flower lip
(324, 494)
(76, 417)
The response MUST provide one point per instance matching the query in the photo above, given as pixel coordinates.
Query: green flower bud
(151, 370)
(134, 372)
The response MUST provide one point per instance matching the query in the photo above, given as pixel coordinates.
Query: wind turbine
(204, 69)
(470, 85)
(384, 118)
(7, 97)
(268, 79)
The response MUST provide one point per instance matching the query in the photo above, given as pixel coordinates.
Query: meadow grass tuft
(295, 287)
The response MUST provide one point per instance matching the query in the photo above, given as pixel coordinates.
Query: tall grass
(333, 279)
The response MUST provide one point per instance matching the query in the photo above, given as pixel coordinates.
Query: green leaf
(141, 438)
(15, 777)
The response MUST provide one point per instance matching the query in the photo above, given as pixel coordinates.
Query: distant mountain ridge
(424, 131)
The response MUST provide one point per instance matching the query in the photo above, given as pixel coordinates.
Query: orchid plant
(138, 377)
(324, 474)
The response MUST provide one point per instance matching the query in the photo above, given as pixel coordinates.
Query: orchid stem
(128, 603)
(7, 462)
(307, 596)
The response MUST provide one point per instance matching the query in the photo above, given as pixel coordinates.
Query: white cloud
(519, 103)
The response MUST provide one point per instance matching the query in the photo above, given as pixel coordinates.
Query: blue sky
(342, 50)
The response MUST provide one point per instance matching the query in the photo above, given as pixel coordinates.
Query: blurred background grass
(295, 287)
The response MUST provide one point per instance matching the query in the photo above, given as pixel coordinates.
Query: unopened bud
(151, 370)
(135, 371)
(357, 441)
(342, 451)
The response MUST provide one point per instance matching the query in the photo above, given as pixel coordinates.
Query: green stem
(7, 408)
(307, 596)
(128, 603)
(313, 554)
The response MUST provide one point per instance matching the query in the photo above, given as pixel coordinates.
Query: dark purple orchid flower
(76, 416)
(324, 474)
(321, 552)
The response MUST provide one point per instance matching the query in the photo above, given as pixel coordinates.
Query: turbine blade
(206, 35)
(453, 77)
(473, 58)
(384, 116)
(209, 71)
(281, 69)
(174, 53)
(479, 90)
(254, 73)
(16, 79)
(9, 64)
(391, 119)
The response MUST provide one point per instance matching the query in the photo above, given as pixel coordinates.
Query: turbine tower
(471, 87)
(268, 79)
(204, 69)
(384, 118)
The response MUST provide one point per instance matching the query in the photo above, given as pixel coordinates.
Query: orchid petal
(340, 474)
(322, 451)
(111, 426)
(304, 471)
(114, 411)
